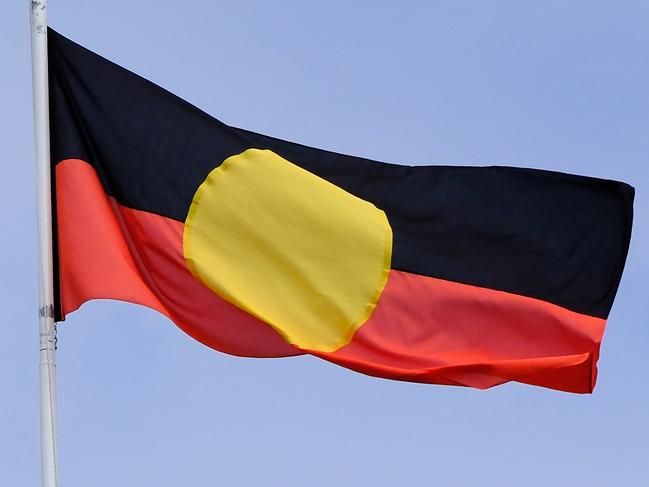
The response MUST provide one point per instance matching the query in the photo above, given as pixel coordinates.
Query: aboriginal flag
(260, 247)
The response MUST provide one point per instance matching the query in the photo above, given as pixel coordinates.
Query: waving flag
(260, 247)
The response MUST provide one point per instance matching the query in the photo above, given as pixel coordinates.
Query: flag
(260, 247)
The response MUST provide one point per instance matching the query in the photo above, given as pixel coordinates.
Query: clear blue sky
(554, 84)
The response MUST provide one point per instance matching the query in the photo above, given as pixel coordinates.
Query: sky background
(554, 85)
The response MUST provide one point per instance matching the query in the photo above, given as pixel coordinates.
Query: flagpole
(47, 326)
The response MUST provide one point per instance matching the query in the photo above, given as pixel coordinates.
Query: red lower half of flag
(423, 329)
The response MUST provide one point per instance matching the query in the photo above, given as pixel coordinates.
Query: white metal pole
(47, 326)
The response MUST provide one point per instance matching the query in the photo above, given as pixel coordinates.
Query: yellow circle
(288, 247)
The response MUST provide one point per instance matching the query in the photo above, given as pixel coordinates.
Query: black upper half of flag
(547, 235)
